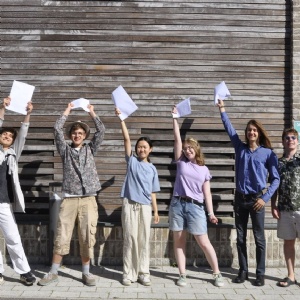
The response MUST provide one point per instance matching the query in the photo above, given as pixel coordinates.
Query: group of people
(191, 200)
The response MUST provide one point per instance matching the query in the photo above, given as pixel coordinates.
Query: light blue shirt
(140, 182)
(252, 168)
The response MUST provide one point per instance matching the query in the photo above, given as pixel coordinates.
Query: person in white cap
(80, 186)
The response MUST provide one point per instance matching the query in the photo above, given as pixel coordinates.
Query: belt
(189, 200)
(249, 197)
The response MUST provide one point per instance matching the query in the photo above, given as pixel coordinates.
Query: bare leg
(85, 260)
(56, 259)
(209, 251)
(289, 255)
(179, 249)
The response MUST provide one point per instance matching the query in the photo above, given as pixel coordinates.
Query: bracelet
(210, 214)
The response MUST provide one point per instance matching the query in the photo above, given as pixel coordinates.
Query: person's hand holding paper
(123, 102)
(81, 102)
(20, 94)
(183, 108)
(221, 92)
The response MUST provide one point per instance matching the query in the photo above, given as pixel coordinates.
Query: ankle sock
(86, 269)
(54, 268)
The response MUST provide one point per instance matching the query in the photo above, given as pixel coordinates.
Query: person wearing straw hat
(80, 186)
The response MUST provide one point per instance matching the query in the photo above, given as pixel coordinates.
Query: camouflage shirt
(289, 188)
(79, 169)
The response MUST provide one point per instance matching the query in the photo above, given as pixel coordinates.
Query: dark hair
(196, 146)
(12, 130)
(77, 126)
(263, 138)
(289, 130)
(146, 139)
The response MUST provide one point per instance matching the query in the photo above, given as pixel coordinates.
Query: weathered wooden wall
(161, 52)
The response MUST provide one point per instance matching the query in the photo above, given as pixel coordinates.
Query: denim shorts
(187, 216)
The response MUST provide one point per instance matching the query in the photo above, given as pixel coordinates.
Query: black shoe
(243, 275)
(260, 280)
(27, 278)
(1, 278)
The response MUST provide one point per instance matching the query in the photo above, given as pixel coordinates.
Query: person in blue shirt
(254, 163)
(139, 194)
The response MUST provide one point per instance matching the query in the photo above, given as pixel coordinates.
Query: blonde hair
(196, 146)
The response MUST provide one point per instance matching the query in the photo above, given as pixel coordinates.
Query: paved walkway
(200, 285)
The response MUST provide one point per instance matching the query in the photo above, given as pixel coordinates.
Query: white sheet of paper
(183, 108)
(20, 94)
(123, 102)
(82, 103)
(221, 92)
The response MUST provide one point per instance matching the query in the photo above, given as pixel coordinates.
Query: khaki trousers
(85, 211)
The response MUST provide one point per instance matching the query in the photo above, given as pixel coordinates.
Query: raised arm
(92, 112)
(221, 106)
(68, 109)
(3, 105)
(126, 137)
(98, 137)
(58, 130)
(228, 126)
(177, 137)
(29, 109)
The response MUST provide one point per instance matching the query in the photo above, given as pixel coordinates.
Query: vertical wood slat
(161, 52)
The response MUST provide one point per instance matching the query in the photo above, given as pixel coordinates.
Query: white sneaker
(144, 279)
(88, 279)
(126, 281)
(181, 280)
(48, 278)
(219, 282)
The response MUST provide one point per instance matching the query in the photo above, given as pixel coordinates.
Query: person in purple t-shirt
(254, 163)
(187, 211)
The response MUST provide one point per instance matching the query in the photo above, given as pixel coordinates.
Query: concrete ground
(108, 286)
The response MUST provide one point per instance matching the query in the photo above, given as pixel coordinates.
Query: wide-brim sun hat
(82, 124)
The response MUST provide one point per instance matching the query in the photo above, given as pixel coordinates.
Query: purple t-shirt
(190, 178)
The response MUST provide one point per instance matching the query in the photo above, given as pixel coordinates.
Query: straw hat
(81, 124)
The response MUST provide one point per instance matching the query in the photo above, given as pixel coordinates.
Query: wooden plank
(161, 52)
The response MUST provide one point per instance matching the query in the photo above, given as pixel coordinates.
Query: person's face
(77, 137)
(143, 150)
(189, 152)
(290, 142)
(6, 139)
(252, 133)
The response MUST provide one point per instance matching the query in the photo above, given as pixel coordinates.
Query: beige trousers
(136, 223)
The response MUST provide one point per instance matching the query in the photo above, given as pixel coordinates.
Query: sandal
(286, 280)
